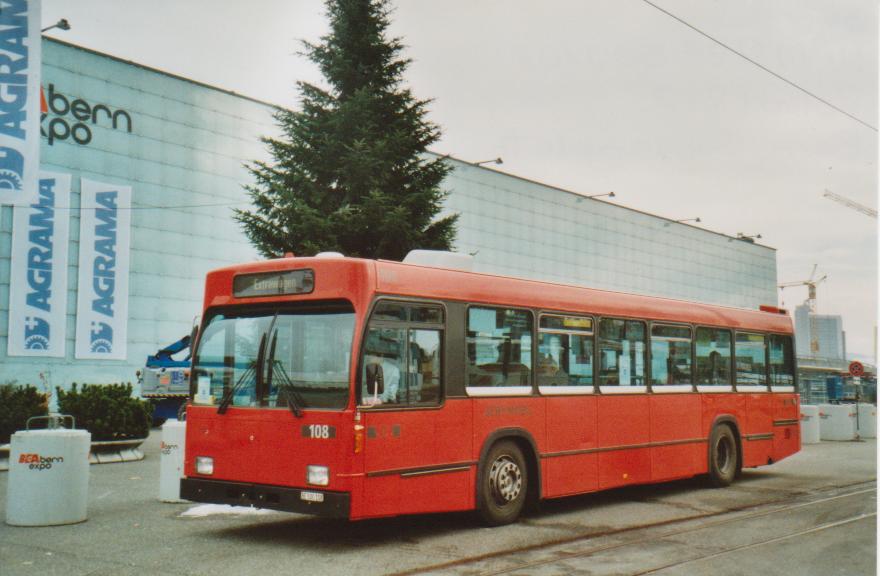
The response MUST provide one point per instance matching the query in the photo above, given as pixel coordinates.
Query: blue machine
(834, 387)
(164, 379)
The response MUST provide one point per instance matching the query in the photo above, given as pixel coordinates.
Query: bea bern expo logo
(39, 462)
(64, 118)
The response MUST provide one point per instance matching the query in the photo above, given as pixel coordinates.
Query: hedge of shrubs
(17, 404)
(108, 411)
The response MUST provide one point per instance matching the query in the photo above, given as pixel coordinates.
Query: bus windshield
(292, 356)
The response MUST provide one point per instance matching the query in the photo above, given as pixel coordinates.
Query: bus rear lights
(204, 465)
(318, 475)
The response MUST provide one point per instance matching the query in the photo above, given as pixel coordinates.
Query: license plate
(311, 496)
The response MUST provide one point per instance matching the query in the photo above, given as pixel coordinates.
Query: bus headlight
(204, 465)
(318, 475)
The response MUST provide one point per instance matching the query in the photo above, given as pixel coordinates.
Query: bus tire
(503, 484)
(723, 456)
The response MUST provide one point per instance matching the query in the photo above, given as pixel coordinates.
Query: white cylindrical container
(867, 421)
(809, 424)
(48, 477)
(837, 421)
(171, 460)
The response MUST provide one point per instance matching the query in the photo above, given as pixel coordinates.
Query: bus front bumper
(317, 502)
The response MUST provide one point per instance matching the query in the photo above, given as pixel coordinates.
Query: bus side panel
(624, 422)
(721, 404)
(759, 420)
(571, 427)
(418, 460)
(786, 437)
(675, 419)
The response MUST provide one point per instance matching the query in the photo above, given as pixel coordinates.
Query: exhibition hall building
(176, 152)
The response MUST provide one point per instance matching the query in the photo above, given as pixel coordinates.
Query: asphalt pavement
(813, 513)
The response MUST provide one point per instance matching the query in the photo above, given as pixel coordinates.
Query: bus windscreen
(305, 359)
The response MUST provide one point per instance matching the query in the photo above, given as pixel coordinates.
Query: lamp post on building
(498, 161)
(62, 24)
(747, 237)
(581, 197)
(682, 221)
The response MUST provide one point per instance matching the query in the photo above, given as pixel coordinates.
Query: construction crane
(811, 287)
(850, 203)
(811, 284)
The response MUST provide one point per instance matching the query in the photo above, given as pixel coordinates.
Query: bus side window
(423, 375)
(565, 351)
(713, 357)
(781, 364)
(751, 354)
(404, 340)
(499, 347)
(384, 349)
(670, 355)
(621, 352)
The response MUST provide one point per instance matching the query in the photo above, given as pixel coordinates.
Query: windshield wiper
(246, 378)
(294, 400)
(293, 397)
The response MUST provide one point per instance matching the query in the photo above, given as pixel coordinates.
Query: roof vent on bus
(440, 259)
(329, 255)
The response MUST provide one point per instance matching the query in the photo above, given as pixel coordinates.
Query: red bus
(357, 389)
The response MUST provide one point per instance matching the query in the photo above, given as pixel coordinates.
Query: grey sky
(599, 95)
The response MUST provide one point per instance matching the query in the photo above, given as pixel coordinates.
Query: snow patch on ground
(213, 509)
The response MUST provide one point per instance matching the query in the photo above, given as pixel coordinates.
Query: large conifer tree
(349, 172)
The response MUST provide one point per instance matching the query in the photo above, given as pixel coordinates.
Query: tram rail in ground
(847, 504)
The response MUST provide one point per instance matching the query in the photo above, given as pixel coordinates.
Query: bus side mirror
(375, 379)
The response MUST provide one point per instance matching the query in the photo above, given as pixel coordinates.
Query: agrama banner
(102, 293)
(19, 100)
(38, 275)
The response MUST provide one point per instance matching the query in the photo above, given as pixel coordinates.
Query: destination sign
(273, 283)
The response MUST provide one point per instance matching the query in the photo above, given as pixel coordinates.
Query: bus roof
(396, 278)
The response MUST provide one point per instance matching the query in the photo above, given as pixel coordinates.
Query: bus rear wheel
(723, 456)
(503, 484)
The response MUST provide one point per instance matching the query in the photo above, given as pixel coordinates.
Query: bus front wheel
(723, 456)
(503, 484)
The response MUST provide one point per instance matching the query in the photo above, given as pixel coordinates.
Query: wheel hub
(505, 479)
